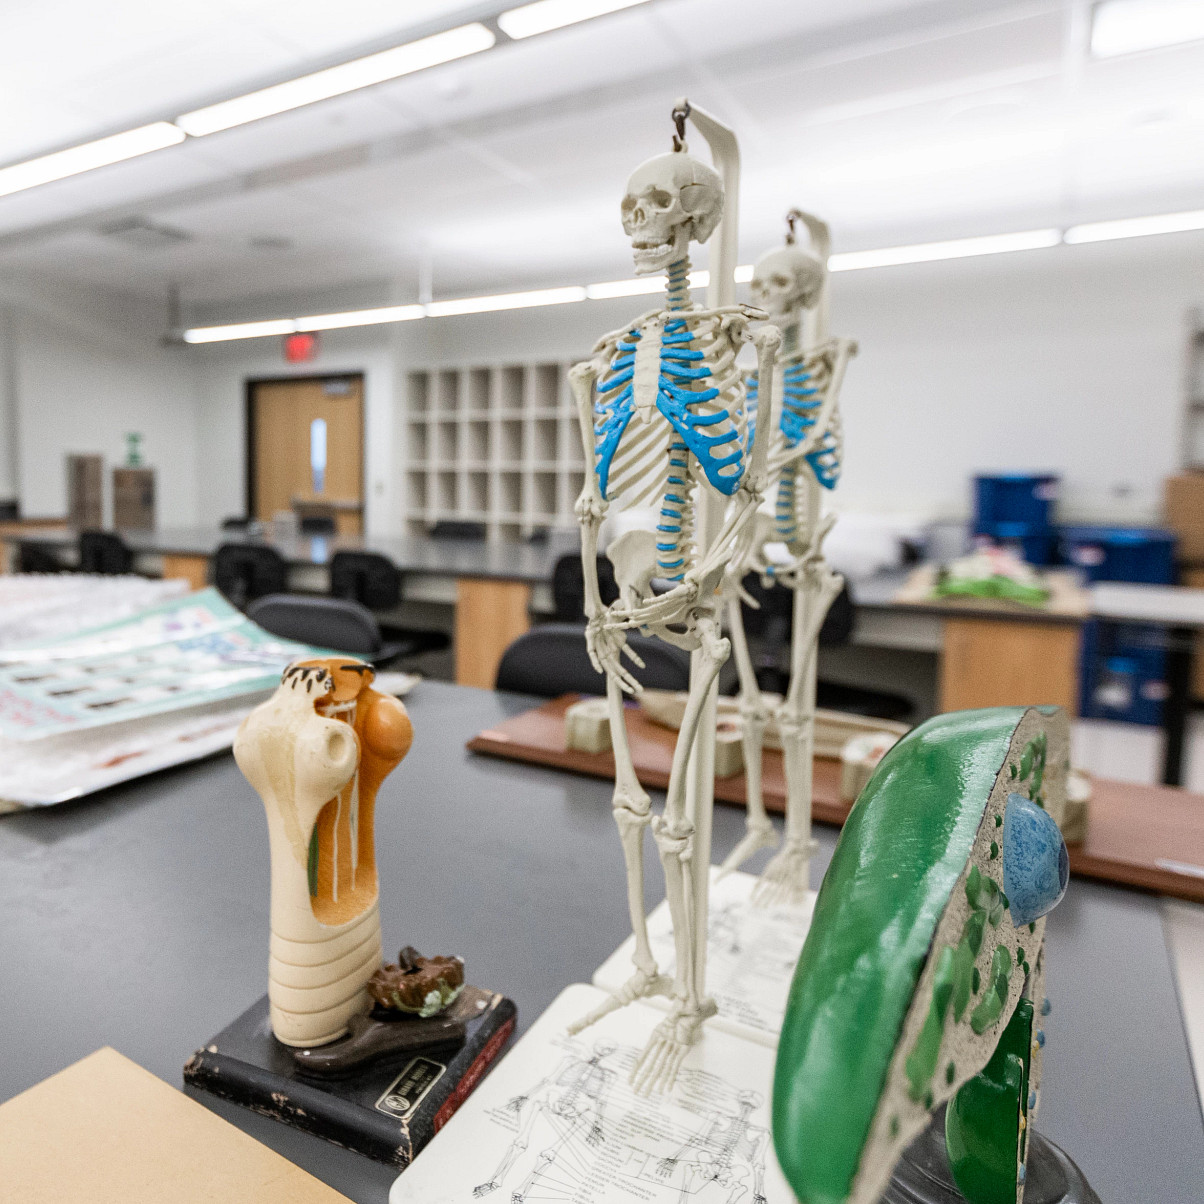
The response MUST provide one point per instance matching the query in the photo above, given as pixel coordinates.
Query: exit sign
(301, 347)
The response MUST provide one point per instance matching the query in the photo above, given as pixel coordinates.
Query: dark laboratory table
(139, 919)
(503, 560)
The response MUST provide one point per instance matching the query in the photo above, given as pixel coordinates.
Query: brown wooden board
(1131, 829)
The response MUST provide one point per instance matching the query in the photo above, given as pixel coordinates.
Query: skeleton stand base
(388, 1110)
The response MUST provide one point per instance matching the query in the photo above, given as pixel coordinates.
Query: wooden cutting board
(1145, 836)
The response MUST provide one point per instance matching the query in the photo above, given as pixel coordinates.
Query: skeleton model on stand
(791, 284)
(663, 417)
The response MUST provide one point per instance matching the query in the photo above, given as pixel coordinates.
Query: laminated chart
(185, 653)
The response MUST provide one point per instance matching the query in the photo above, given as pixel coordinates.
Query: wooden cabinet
(1006, 662)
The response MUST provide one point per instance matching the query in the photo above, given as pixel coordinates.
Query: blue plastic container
(1014, 498)
(1140, 554)
(1123, 672)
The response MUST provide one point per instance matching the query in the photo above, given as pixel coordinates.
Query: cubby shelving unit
(497, 444)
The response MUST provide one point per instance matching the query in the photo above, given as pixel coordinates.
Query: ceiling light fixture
(847, 261)
(545, 15)
(337, 81)
(1128, 26)
(1135, 227)
(955, 248)
(89, 155)
(483, 305)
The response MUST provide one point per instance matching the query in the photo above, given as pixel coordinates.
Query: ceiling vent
(144, 235)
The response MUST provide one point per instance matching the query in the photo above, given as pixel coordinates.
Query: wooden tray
(1136, 836)
(537, 736)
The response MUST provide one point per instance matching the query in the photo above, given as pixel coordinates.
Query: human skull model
(785, 279)
(670, 200)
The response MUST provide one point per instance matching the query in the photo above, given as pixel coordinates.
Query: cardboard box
(1185, 514)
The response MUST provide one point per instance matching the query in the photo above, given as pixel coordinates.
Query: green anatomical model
(927, 934)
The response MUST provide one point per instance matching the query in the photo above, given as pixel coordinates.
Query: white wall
(1070, 359)
(83, 369)
(221, 371)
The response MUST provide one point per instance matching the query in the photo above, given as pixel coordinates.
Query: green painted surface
(984, 1135)
(898, 859)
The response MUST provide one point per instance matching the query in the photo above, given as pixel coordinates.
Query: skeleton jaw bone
(670, 201)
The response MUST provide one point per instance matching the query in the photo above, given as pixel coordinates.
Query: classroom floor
(1134, 754)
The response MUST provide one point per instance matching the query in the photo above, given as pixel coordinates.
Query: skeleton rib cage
(670, 413)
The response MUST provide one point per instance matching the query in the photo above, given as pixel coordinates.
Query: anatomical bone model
(805, 453)
(317, 751)
(663, 416)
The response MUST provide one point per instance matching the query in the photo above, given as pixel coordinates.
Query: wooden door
(284, 461)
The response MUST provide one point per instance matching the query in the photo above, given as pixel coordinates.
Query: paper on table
(185, 653)
(751, 955)
(557, 1120)
(106, 1131)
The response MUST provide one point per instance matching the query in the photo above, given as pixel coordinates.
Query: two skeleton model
(665, 422)
(805, 453)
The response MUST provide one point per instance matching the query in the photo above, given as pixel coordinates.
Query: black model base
(923, 1175)
(387, 1110)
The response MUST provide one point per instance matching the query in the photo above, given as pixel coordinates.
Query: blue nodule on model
(1036, 865)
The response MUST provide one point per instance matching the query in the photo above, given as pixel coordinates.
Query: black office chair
(317, 524)
(246, 571)
(374, 581)
(334, 623)
(568, 587)
(769, 628)
(103, 552)
(33, 558)
(552, 659)
(448, 528)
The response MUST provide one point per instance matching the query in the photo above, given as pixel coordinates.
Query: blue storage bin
(1140, 554)
(1014, 498)
(1123, 672)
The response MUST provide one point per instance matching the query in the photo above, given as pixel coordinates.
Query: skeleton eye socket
(780, 281)
(628, 204)
(658, 198)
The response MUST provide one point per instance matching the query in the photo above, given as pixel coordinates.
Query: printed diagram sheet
(751, 955)
(557, 1121)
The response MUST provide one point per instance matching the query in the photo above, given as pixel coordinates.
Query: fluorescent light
(957, 248)
(240, 330)
(637, 286)
(361, 317)
(481, 305)
(1135, 227)
(336, 81)
(530, 19)
(1127, 26)
(743, 274)
(70, 162)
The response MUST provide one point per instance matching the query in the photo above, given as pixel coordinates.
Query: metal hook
(680, 113)
(793, 216)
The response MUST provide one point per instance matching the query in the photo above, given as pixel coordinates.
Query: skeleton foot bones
(665, 424)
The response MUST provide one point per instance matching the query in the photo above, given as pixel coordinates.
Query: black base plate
(388, 1111)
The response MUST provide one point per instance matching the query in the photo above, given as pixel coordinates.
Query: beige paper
(106, 1131)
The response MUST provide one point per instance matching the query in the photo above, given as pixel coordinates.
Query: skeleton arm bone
(845, 350)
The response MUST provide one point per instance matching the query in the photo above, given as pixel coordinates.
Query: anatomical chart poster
(557, 1121)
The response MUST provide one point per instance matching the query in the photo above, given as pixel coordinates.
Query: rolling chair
(374, 582)
(335, 623)
(246, 571)
(568, 587)
(316, 524)
(769, 631)
(457, 529)
(104, 552)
